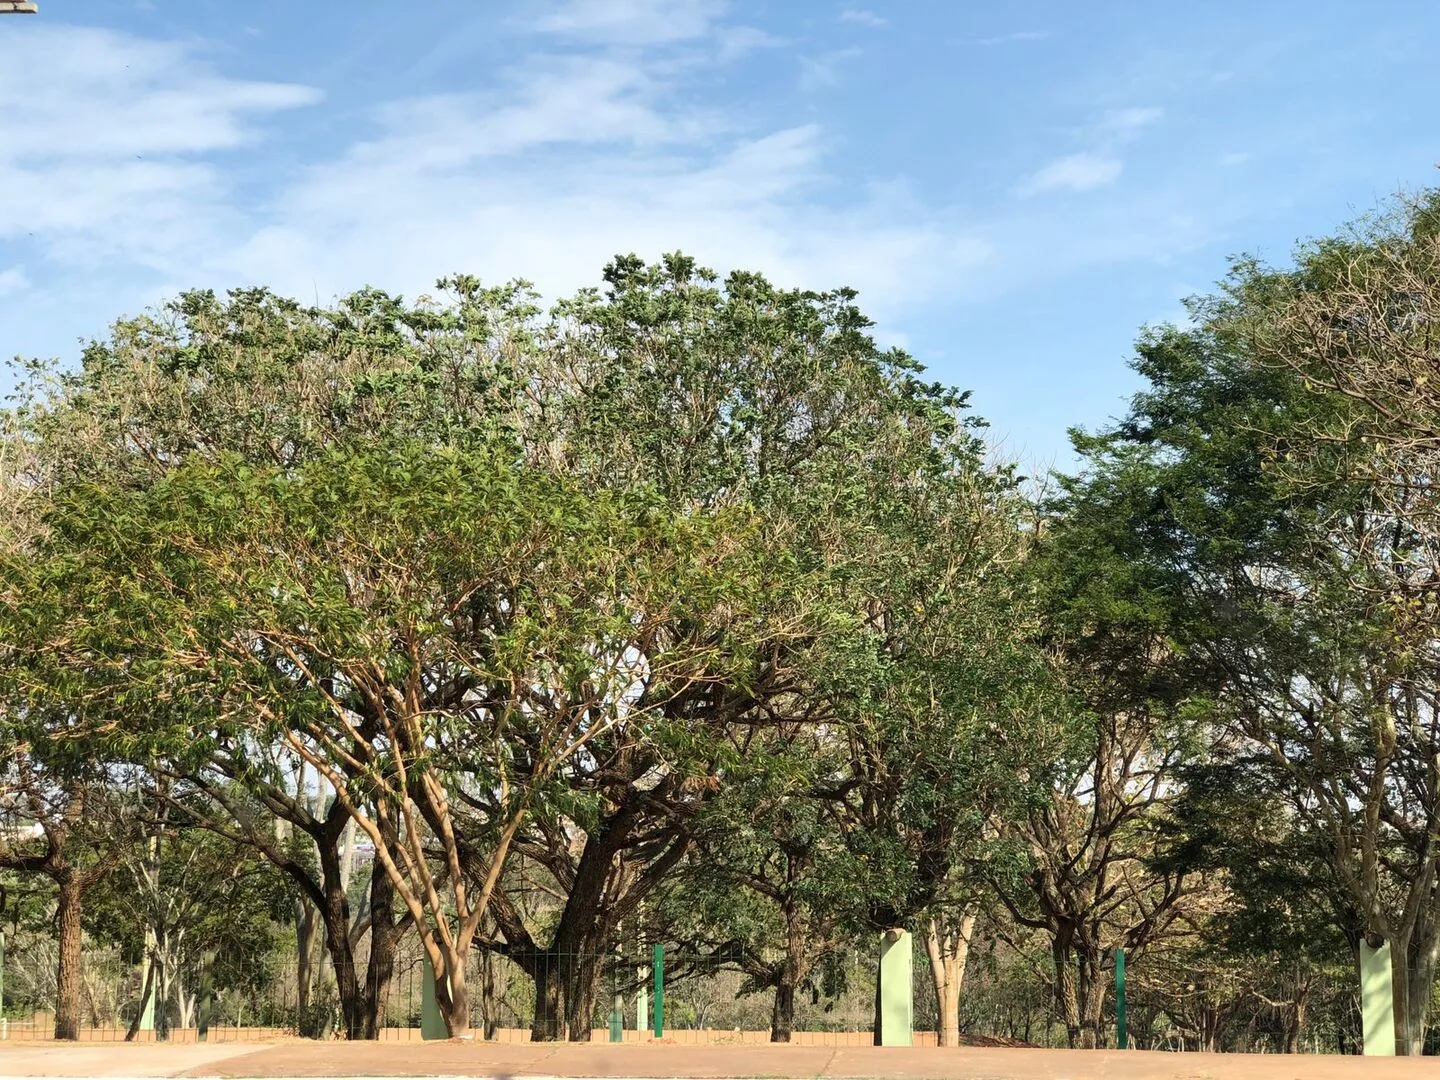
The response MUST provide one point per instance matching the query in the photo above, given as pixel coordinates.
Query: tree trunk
(949, 950)
(782, 1013)
(381, 966)
(546, 1027)
(566, 982)
(304, 962)
(1420, 979)
(453, 995)
(146, 990)
(67, 975)
(1065, 994)
(1296, 1020)
(489, 1012)
(336, 917)
(582, 984)
(1092, 1002)
(793, 968)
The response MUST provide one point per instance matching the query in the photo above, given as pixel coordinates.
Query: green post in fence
(1122, 1036)
(4, 1029)
(894, 999)
(659, 967)
(1377, 1001)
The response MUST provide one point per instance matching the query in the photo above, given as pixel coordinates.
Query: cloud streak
(861, 17)
(1074, 172)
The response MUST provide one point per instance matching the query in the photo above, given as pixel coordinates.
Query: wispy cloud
(861, 17)
(822, 72)
(116, 154)
(631, 22)
(1018, 36)
(13, 280)
(1074, 172)
(569, 160)
(1100, 164)
(1120, 126)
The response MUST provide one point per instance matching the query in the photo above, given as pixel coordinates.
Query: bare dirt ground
(447, 1059)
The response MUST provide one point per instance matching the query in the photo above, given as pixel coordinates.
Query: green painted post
(4, 1024)
(1122, 1035)
(896, 996)
(659, 968)
(1377, 1002)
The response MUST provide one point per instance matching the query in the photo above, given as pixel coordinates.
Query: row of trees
(684, 610)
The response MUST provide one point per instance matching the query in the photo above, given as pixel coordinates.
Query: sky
(1014, 188)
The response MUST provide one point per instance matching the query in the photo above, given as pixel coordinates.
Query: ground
(337, 1059)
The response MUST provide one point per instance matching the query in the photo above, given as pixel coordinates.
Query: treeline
(684, 612)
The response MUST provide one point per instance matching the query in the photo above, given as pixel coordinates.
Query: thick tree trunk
(949, 950)
(549, 1000)
(1066, 997)
(583, 985)
(566, 985)
(336, 917)
(793, 969)
(380, 968)
(1420, 982)
(782, 1013)
(67, 975)
(1293, 1021)
(1092, 1002)
(452, 994)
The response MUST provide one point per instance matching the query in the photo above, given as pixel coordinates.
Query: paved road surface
(337, 1059)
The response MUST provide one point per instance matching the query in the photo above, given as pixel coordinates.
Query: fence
(1006, 999)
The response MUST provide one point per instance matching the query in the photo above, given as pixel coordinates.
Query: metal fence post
(1122, 1035)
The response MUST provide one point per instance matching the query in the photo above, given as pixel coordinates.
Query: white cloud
(591, 142)
(1018, 36)
(1075, 172)
(104, 137)
(1099, 165)
(1123, 125)
(83, 93)
(13, 280)
(822, 72)
(1233, 159)
(861, 17)
(752, 202)
(632, 22)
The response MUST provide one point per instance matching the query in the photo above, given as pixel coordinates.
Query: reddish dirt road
(336, 1059)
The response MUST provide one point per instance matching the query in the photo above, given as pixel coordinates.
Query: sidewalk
(445, 1059)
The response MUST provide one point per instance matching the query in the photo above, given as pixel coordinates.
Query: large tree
(1299, 553)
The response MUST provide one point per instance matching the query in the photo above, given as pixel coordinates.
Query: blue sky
(1014, 187)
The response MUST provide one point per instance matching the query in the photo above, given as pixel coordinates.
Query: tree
(1096, 874)
(60, 824)
(768, 883)
(495, 624)
(1298, 562)
(180, 896)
